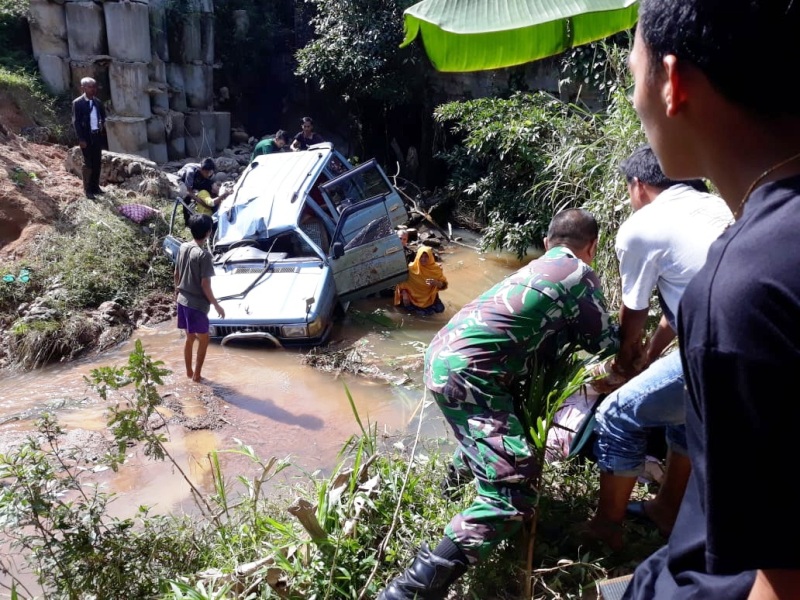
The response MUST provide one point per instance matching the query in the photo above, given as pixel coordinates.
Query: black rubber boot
(427, 578)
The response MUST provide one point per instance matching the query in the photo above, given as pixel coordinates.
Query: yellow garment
(421, 294)
(204, 204)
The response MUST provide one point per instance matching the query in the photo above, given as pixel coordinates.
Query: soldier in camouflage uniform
(473, 367)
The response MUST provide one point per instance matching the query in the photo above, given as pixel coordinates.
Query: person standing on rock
(88, 120)
(193, 271)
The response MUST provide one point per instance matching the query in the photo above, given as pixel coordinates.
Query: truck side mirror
(338, 250)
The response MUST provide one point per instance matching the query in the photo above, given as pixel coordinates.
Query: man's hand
(82, 144)
(219, 309)
(606, 379)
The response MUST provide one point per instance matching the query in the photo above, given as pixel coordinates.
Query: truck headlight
(294, 331)
(315, 327)
(212, 331)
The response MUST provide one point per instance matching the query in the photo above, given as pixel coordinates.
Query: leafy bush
(519, 160)
(506, 145)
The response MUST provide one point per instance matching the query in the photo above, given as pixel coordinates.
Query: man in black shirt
(700, 68)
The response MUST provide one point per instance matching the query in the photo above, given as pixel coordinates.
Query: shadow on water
(266, 407)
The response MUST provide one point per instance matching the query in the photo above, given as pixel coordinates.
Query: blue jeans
(654, 398)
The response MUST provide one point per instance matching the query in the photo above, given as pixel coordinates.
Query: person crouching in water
(420, 292)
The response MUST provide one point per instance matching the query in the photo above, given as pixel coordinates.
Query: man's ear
(674, 90)
(546, 243)
(592, 249)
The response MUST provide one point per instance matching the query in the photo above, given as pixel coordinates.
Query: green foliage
(595, 66)
(520, 160)
(589, 171)
(20, 86)
(97, 255)
(505, 147)
(355, 50)
(58, 520)
(14, 35)
(131, 419)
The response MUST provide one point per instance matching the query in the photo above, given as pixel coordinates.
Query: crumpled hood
(277, 298)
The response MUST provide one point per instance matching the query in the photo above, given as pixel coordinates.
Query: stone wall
(154, 70)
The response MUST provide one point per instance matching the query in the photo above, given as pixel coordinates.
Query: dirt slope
(34, 184)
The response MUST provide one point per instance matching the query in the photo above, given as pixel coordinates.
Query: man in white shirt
(660, 247)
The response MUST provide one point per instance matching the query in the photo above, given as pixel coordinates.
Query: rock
(128, 171)
(112, 313)
(226, 164)
(239, 137)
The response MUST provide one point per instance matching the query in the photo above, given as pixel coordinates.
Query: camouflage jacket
(489, 344)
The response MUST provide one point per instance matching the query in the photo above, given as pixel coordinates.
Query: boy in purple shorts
(193, 271)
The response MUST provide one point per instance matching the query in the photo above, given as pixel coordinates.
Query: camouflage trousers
(492, 445)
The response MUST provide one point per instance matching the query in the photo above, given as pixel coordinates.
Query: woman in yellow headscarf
(420, 292)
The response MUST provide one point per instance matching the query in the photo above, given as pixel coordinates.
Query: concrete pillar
(48, 26)
(156, 131)
(185, 44)
(207, 38)
(177, 87)
(129, 83)
(159, 43)
(55, 73)
(222, 130)
(198, 81)
(128, 29)
(200, 134)
(241, 23)
(86, 30)
(157, 70)
(158, 153)
(176, 140)
(127, 135)
(97, 70)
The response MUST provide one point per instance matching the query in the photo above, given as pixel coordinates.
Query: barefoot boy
(193, 272)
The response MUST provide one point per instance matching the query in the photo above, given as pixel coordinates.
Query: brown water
(274, 402)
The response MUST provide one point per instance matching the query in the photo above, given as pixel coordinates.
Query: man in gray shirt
(193, 271)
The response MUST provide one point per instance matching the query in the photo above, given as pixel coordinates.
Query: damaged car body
(302, 235)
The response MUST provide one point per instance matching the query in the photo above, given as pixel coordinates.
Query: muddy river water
(272, 401)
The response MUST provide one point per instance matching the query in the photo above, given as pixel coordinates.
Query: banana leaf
(475, 35)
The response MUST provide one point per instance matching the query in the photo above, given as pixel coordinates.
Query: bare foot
(663, 519)
(607, 532)
(190, 373)
(197, 378)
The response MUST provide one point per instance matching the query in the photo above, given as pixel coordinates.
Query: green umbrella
(474, 35)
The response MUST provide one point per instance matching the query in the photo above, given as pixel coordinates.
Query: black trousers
(92, 156)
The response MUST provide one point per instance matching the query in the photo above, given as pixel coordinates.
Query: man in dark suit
(88, 119)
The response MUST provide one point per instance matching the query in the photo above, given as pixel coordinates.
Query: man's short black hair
(306, 120)
(572, 227)
(282, 135)
(200, 225)
(643, 165)
(208, 165)
(741, 46)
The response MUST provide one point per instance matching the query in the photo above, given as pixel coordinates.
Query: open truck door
(366, 255)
